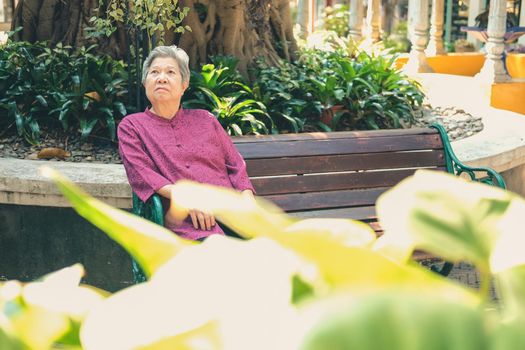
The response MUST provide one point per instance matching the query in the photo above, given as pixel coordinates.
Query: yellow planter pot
(458, 63)
(516, 65)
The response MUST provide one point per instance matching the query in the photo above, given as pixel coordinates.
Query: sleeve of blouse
(235, 164)
(143, 175)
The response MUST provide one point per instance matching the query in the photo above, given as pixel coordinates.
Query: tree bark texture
(245, 29)
(62, 21)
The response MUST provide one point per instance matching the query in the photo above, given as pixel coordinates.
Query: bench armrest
(151, 209)
(454, 166)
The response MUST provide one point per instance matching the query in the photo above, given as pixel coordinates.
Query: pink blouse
(193, 145)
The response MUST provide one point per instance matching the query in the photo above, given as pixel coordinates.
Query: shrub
(336, 19)
(220, 89)
(398, 41)
(58, 86)
(372, 92)
(279, 89)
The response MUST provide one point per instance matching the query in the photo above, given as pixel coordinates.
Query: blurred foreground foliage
(307, 284)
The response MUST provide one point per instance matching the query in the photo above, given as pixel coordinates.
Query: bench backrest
(338, 174)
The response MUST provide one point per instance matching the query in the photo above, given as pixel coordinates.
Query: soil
(56, 145)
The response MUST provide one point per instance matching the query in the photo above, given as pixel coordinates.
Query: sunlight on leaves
(49, 310)
(61, 292)
(206, 337)
(248, 216)
(338, 248)
(150, 244)
(453, 218)
(393, 320)
(243, 286)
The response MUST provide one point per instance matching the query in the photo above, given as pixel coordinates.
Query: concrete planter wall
(36, 240)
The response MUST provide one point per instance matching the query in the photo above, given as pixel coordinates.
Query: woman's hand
(202, 220)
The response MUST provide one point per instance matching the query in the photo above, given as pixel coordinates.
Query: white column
(435, 45)
(521, 40)
(418, 31)
(475, 7)
(2, 14)
(493, 70)
(356, 19)
(373, 16)
(305, 17)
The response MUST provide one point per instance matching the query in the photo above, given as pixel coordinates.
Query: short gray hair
(178, 54)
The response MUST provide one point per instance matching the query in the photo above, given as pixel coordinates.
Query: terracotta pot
(327, 115)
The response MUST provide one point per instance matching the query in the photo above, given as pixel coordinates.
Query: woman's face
(163, 83)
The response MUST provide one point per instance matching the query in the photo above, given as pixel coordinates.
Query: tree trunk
(388, 15)
(65, 22)
(245, 29)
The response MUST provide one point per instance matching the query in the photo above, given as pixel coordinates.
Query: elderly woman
(166, 143)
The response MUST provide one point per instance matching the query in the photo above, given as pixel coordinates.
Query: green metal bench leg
(138, 275)
(151, 210)
(443, 270)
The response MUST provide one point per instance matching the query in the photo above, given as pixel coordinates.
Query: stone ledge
(501, 146)
(21, 183)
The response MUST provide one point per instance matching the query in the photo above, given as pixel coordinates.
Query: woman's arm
(143, 175)
(235, 164)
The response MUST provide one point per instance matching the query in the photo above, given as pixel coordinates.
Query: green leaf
(508, 336)
(41, 100)
(237, 131)
(511, 289)
(333, 245)
(110, 123)
(86, 127)
(151, 245)
(395, 320)
(444, 215)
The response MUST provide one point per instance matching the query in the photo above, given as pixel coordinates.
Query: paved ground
(466, 274)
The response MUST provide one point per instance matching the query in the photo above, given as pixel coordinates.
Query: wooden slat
(327, 200)
(358, 213)
(328, 182)
(376, 227)
(347, 162)
(333, 135)
(339, 146)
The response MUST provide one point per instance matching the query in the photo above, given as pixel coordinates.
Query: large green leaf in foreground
(150, 244)
(339, 248)
(398, 321)
(462, 220)
(444, 215)
(47, 312)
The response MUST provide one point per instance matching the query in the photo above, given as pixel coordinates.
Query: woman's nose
(161, 77)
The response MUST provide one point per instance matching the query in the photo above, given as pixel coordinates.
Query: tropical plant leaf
(151, 245)
(395, 320)
(335, 246)
(175, 306)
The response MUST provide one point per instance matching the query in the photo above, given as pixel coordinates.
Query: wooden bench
(341, 174)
